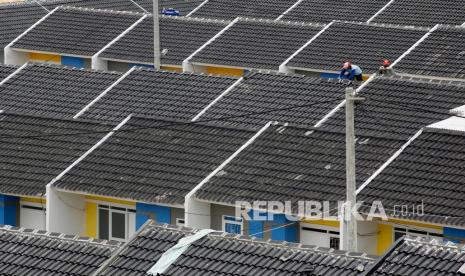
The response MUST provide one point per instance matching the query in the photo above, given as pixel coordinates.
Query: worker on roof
(351, 71)
(386, 68)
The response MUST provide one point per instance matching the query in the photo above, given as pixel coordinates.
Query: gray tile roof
(16, 18)
(31, 252)
(399, 107)
(53, 90)
(77, 31)
(420, 257)
(159, 94)
(263, 92)
(328, 10)
(183, 6)
(257, 44)
(364, 45)
(6, 70)
(30, 162)
(156, 163)
(429, 170)
(292, 164)
(441, 54)
(423, 13)
(226, 9)
(180, 36)
(226, 254)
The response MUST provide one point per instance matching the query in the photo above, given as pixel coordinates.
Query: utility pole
(348, 221)
(156, 35)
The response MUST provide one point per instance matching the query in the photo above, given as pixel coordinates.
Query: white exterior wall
(197, 214)
(14, 57)
(99, 64)
(65, 212)
(32, 218)
(367, 239)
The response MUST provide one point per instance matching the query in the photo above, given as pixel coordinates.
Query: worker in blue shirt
(351, 71)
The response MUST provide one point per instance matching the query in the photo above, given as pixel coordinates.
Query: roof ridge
(183, 122)
(434, 242)
(282, 22)
(198, 19)
(430, 129)
(295, 247)
(425, 80)
(60, 236)
(142, 68)
(109, 11)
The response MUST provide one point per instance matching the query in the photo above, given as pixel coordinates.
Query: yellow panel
(45, 57)
(329, 223)
(365, 77)
(385, 238)
(171, 68)
(225, 71)
(417, 224)
(91, 219)
(34, 200)
(113, 200)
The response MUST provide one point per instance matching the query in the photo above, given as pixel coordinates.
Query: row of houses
(105, 151)
(117, 41)
(212, 253)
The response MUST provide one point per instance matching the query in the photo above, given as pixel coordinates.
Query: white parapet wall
(367, 240)
(197, 213)
(13, 57)
(99, 64)
(66, 212)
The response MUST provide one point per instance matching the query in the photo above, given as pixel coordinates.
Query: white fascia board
(458, 111)
(120, 36)
(388, 162)
(380, 11)
(284, 64)
(13, 74)
(289, 9)
(187, 60)
(425, 36)
(197, 8)
(452, 123)
(226, 162)
(103, 93)
(48, 53)
(229, 89)
(32, 27)
(89, 151)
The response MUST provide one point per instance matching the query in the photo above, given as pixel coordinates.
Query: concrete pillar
(197, 214)
(65, 212)
(99, 64)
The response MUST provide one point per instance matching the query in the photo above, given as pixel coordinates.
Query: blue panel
(454, 235)
(141, 65)
(329, 75)
(73, 61)
(9, 210)
(144, 212)
(256, 226)
(279, 233)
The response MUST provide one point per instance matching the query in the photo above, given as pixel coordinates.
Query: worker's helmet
(347, 65)
(386, 63)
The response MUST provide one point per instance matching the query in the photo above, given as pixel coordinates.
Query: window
(232, 224)
(180, 222)
(400, 232)
(114, 222)
(334, 242)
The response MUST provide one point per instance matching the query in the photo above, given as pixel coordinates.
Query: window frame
(114, 209)
(226, 219)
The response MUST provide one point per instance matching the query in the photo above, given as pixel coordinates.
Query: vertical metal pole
(156, 35)
(349, 223)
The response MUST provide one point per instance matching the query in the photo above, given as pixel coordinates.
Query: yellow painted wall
(385, 238)
(225, 71)
(329, 223)
(45, 58)
(34, 200)
(91, 220)
(112, 200)
(171, 68)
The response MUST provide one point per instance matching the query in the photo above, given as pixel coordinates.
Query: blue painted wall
(288, 233)
(454, 235)
(9, 210)
(256, 226)
(160, 214)
(329, 75)
(73, 61)
(140, 65)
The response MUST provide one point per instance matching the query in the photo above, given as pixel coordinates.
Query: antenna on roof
(156, 36)
(37, 2)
